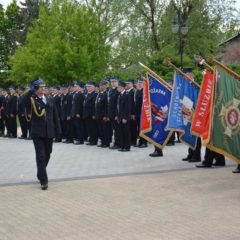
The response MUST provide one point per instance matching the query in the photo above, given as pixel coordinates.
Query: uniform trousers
(2, 125)
(210, 155)
(78, 129)
(43, 149)
(141, 140)
(133, 131)
(116, 129)
(13, 126)
(195, 154)
(92, 130)
(24, 126)
(69, 128)
(104, 130)
(125, 138)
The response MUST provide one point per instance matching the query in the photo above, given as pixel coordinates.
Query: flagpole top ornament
(200, 60)
(167, 61)
(210, 58)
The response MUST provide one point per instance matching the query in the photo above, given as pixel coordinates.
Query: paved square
(177, 202)
(17, 160)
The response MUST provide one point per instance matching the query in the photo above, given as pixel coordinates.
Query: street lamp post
(180, 28)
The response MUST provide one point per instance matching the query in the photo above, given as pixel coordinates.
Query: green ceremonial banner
(225, 135)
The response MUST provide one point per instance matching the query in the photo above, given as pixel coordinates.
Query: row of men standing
(92, 115)
(9, 110)
(85, 113)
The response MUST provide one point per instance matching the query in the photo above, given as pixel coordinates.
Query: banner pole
(231, 72)
(168, 62)
(155, 75)
(201, 61)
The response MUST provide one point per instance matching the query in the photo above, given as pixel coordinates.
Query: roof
(230, 39)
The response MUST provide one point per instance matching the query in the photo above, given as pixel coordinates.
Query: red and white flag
(201, 123)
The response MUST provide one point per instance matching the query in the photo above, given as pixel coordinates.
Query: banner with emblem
(202, 118)
(154, 117)
(225, 135)
(182, 107)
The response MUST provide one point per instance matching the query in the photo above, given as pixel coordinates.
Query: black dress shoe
(44, 186)
(171, 144)
(219, 164)
(203, 166)
(121, 150)
(21, 137)
(143, 146)
(185, 159)
(28, 138)
(91, 144)
(105, 146)
(237, 170)
(155, 154)
(101, 145)
(191, 160)
(114, 147)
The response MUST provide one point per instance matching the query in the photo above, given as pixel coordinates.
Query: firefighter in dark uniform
(69, 120)
(2, 100)
(133, 123)
(44, 124)
(124, 117)
(5, 115)
(57, 100)
(112, 112)
(64, 112)
(22, 114)
(101, 110)
(138, 109)
(89, 113)
(11, 110)
(209, 157)
(77, 113)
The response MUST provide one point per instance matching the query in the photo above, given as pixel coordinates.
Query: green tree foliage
(9, 28)
(65, 44)
(89, 39)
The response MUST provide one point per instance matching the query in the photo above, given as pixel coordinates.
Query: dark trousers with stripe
(43, 149)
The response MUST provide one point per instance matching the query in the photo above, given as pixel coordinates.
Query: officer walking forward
(44, 122)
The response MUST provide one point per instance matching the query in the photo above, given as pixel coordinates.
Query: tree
(29, 10)
(65, 44)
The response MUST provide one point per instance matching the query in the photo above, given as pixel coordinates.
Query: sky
(6, 2)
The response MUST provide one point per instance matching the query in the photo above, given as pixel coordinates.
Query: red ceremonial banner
(201, 123)
(146, 109)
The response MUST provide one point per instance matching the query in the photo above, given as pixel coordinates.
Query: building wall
(231, 52)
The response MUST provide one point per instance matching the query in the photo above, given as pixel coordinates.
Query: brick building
(231, 50)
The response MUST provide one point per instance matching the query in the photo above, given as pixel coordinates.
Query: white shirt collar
(129, 89)
(123, 92)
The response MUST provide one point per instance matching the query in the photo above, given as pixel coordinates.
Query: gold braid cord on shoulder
(43, 112)
(26, 115)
